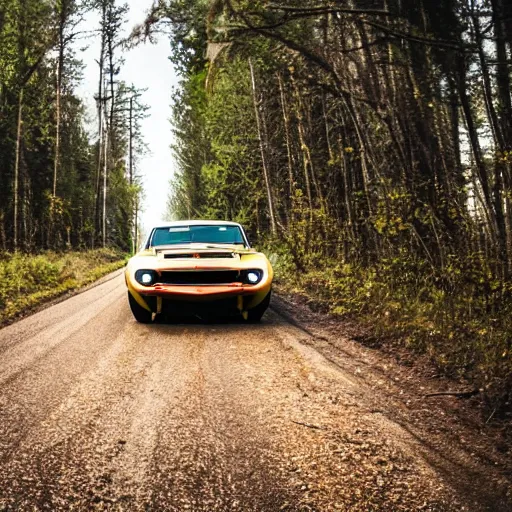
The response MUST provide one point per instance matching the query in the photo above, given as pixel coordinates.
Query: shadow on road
(209, 320)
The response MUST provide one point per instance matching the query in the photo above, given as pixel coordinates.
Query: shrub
(459, 315)
(28, 279)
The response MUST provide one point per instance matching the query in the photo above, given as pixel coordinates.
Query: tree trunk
(266, 176)
(309, 168)
(60, 70)
(100, 101)
(504, 166)
(136, 225)
(475, 146)
(289, 152)
(105, 172)
(17, 169)
(58, 97)
(130, 150)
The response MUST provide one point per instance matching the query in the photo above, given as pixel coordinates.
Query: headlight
(253, 276)
(146, 277)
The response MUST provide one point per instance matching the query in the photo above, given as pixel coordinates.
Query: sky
(146, 66)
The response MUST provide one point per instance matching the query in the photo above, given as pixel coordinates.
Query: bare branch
(452, 45)
(310, 11)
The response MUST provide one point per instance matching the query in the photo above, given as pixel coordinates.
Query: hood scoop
(199, 255)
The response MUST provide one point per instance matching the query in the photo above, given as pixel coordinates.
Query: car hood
(197, 256)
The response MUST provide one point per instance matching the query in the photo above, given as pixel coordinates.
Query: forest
(62, 188)
(367, 145)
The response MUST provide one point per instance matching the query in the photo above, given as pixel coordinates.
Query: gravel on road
(98, 412)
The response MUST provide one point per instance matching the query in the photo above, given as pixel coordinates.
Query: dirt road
(98, 412)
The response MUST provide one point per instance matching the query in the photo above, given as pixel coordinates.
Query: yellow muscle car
(202, 268)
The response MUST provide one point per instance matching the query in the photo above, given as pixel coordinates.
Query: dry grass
(465, 329)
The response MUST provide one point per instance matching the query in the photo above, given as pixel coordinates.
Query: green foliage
(369, 200)
(192, 148)
(21, 275)
(27, 280)
(461, 317)
(36, 54)
(216, 149)
(230, 187)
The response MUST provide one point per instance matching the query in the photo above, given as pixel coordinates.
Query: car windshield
(211, 234)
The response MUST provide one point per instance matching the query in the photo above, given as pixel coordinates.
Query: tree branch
(458, 394)
(309, 11)
(452, 45)
(305, 52)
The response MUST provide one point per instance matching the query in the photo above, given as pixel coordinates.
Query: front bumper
(234, 296)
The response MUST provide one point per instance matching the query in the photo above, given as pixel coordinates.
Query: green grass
(27, 281)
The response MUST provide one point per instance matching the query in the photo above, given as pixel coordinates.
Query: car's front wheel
(254, 315)
(141, 314)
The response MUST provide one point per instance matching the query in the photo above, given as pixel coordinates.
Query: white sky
(146, 66)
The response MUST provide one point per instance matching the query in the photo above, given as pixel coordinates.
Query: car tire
(254, 315)
(141, 314)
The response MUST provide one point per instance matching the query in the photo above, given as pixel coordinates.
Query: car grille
(198, 277)
(200, 255)
(222, 307)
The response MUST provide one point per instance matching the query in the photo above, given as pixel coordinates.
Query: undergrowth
(28, 280)
(460, 316)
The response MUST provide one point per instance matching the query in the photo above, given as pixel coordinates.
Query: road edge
(60, 297)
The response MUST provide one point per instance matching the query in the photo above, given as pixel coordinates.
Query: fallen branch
(458, 394)
(308, 425)
(491, 416)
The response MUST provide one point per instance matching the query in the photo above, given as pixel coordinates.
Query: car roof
(195, 223)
